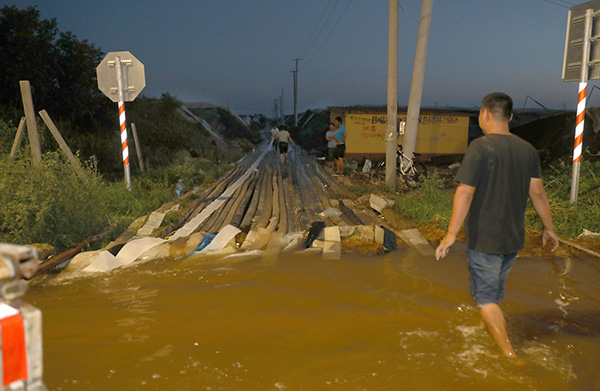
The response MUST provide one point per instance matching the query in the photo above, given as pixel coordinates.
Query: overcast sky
(240, 52)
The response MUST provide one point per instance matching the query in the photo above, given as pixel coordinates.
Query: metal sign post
(581, 62)
(121, 77)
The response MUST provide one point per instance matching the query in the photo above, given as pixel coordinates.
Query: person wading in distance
(283, 137)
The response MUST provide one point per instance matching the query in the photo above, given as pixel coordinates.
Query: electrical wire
(316, 27)
(328, 35)
(559, 4)
(321, 29)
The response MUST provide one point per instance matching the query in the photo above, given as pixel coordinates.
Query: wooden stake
(61, 142)
(18, 138)
(34, 140)
(138, 148)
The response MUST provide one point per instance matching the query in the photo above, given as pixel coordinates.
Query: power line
(321, 29)
(316, 27)
(326, 38)
(559, 4)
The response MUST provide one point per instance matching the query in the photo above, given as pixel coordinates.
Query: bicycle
(411, 170)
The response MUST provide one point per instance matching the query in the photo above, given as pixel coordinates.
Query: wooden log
(283, 221)
(34, 138)
(274, 220)
(18, 137)
(241, 196)
(265, 209)
(138, 147)
(62, 144)
(69, 253)
(246, 223)
(224, 210)
(292, 206)
(245, 202)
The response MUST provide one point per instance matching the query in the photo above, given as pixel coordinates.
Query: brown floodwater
(401, 321)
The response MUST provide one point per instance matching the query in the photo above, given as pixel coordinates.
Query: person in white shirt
(331, 146)
(274, 132)
(283, 137)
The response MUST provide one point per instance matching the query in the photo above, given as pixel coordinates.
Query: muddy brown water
(401, 321)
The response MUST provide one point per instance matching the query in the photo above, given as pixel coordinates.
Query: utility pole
(281, 107)
(391, 136)
(296, 91)
(416, 86)
(275, 110)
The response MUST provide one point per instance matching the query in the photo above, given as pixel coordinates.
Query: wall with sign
(436, 134)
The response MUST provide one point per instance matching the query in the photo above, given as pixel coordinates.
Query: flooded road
(401, 321)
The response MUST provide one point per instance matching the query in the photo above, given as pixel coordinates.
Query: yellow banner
(436, 133)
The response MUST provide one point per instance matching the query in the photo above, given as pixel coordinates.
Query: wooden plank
(138, 147)
(18, 137)
(62, 144)
(34, 138)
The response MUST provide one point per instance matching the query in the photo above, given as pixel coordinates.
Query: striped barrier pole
(579, 123)
(123, 124)
(587, 34)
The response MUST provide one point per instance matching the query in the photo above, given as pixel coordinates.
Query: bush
(49, 203)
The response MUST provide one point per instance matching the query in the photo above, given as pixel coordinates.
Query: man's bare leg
(494, 320)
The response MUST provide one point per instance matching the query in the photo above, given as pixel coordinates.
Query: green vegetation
(432, 204)
(49, 203)
(568, 220)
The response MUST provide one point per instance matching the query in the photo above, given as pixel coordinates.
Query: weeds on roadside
(571, 220)
(429, 204)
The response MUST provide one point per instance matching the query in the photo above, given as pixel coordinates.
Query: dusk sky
(240, 52)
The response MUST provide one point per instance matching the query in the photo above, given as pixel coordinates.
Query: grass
(429, 204)
(571, 220)
(49, 203)
(432, 204)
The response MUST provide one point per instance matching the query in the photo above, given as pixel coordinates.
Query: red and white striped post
(123, 124)
(577, 150)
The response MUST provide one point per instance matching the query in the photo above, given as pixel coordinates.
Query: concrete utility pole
(296, 92)
(416, 86)
(281, 107)
(391, 136)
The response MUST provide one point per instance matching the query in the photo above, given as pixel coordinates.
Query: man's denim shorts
(488, 276)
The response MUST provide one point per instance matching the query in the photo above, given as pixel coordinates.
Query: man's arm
(542, 208)
(460, 208)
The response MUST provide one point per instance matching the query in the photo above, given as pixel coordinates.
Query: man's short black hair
(498, 104)
(331, 123)
(283, 127)
(339, 119)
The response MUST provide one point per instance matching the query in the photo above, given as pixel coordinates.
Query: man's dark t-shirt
(500, 167)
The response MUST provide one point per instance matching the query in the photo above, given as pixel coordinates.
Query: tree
(61, 69)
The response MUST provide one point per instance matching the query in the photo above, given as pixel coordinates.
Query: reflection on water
(303, 323)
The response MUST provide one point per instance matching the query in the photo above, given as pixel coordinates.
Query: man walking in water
(283, 136)
(497, 174)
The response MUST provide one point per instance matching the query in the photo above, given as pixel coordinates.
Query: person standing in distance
(497, 174)
(283, 136)
(340, 145)
(331, 148)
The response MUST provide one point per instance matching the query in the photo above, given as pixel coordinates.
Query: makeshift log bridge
(259, 208)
